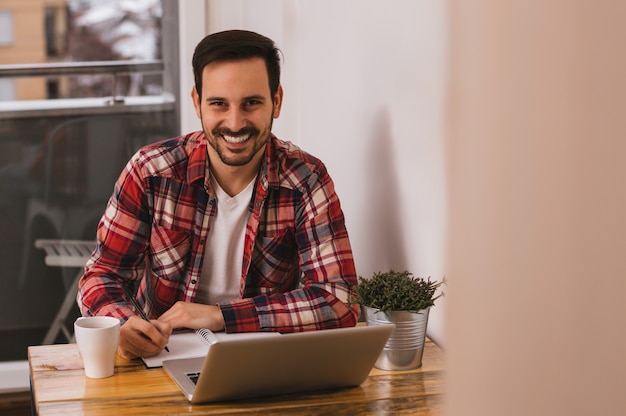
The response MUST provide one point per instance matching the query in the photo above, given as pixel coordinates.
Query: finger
(163, 327)
(139, 345)
(149, 330)
(139, 338)
(156, 335)
(125, 353)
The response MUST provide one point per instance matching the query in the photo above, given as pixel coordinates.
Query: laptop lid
(265, 366)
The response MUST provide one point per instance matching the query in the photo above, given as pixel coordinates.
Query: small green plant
(396, 291)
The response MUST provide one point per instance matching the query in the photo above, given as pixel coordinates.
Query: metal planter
(405, 347)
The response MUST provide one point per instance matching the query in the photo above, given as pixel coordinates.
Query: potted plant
(404, 300)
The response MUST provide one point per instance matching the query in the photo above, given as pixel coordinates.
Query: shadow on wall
(384, 214)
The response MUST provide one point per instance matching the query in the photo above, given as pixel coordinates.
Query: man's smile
(236, 139)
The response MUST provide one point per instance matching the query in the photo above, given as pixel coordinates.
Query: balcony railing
(114, 103)
(81, 68)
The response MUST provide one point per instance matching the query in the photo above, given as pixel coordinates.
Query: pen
(132, 300)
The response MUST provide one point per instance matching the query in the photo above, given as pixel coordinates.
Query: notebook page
(190, 344)
(181, 345)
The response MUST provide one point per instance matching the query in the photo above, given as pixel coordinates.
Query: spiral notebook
(190, 344)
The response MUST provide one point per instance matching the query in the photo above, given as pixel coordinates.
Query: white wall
(364, 91)
(192, 28)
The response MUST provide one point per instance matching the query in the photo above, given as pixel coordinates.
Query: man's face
(236, 109)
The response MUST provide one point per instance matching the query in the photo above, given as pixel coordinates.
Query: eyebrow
(255, 97)
(247, 98)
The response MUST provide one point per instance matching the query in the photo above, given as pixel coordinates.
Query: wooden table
(60, 387)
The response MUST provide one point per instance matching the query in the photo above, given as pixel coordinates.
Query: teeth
(236, 139)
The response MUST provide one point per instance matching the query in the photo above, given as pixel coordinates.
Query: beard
(238, 157)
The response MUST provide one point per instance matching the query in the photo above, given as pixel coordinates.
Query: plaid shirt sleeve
(122, 239)
(315, 294)
(140, 239)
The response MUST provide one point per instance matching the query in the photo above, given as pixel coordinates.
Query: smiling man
(228, 228)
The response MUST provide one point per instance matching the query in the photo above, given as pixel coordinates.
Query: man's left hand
(194, 316)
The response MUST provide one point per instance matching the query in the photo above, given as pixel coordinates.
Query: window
(6, 28)
(7, 89)
(56, 32)
(67, 127)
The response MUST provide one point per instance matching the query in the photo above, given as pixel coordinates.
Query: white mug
(97, 338)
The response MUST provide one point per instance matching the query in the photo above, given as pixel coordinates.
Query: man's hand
(194, 316)
(139, 338)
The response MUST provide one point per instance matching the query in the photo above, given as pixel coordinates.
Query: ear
(196, 101)
(278, 101)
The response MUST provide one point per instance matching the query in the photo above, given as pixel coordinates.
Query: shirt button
(193, 281)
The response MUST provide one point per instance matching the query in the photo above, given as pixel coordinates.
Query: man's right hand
(139, 338)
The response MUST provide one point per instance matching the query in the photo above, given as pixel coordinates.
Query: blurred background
(83, 85)
(482, 141)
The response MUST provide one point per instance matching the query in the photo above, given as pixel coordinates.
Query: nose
(235, 119)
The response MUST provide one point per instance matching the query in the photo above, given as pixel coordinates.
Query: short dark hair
(236, 45)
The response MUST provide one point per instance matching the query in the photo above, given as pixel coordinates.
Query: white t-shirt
(223, 254)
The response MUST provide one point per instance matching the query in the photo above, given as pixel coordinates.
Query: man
(229, 228)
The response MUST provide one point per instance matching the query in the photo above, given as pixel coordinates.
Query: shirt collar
(269, 168)
(198, 159)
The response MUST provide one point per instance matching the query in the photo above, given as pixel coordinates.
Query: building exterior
(31, 32)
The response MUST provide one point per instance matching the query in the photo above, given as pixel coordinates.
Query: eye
(217, 103)
(252, 103)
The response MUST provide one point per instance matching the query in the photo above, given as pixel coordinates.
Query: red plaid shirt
(298, 268)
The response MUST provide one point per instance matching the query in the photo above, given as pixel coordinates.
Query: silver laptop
(289, 363)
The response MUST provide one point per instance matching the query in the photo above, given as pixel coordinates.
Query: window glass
(83, 85)
(6, 28)
(7, 89)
